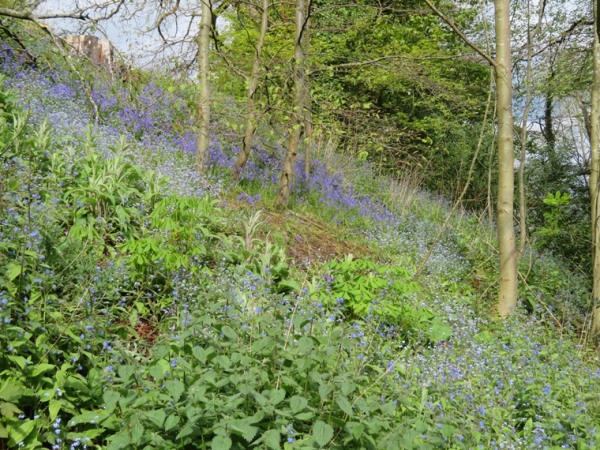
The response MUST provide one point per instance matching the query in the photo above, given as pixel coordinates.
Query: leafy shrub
(365, 288)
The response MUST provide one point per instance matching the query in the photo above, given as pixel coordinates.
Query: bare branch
(462, 35)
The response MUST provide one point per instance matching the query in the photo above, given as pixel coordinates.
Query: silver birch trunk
(253, 84)
(297, 120)
(594, 176)
(204, 98)
(507, 300)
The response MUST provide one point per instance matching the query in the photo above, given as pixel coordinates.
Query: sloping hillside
(143, 306)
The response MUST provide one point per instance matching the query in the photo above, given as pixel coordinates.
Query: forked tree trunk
(253, 84)
(297, 120)
(204, 98)
(507, 300)
(594, 176)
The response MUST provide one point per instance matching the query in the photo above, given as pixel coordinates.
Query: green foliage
(365, 289)
(180, 232)
(261, 255)
(562, 231)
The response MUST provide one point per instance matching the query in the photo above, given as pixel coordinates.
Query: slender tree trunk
(594, 176)
(506, 234)
(297, 121)
(523, 155)
(253, 84)
(204, 98)
(308, 125)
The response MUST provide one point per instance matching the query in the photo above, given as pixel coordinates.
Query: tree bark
(204, 98)
(253, 84)
(297, 120)
(507, 300)
(594, 176)
(308, 124)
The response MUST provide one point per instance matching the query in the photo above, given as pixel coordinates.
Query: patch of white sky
(132, 30)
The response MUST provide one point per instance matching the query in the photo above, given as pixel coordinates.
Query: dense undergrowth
(144, 307)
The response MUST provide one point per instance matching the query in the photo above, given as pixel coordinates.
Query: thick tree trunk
(595, 175)
(505, 219)
(253, 84)
(297, 121)
(204, 98)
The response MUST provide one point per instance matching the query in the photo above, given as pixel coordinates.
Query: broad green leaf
(175, 388)
(11, 392)
(439, 331)
(344, 405)
(119, 441)
(171, 422)
(356, 429)
(137, 432)
(272, 439)
(96, 416)
(245, 429)
(110, 399)
(229, 332)
(125, 372)
(18, 360)
(13, 270)
(54, 408)
(38, 369)
(9, 410)
(322, 433)
(298, 403)
(221, 443)
(19, 431)
(324, 390)
(186, 431)
(276, 396)
(200, 354)
(157, 417)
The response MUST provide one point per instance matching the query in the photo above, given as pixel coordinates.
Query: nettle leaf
(200, 354)
(229, 332)
(322, 433)
(175, 388)
(276, 396)
(157, 417)
(304, 415)
(110, 399)
(244, 428)
(344, 405)
(187, 430)
(137, 432)
(272, 439)
(221, 443)
(298, 403)
(356, 429)
(125, 372)
(119, 441)
(324, 390)
(171, 422)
